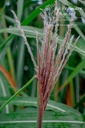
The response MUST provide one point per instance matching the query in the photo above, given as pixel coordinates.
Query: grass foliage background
(16, 68)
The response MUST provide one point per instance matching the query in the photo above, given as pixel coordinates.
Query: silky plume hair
(49, 65)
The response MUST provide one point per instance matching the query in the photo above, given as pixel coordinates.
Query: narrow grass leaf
(20, 90)
(30, 101)
(37, 11)
(20, 63)
(80, 66)
(82, 100)
(5, 92)
(31, 33)
(20, 4)
(82, 1)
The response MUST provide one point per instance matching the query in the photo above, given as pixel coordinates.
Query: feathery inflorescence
(49, 65)
(24, 38)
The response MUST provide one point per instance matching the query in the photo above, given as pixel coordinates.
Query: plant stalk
(40, 109)
(40, 117)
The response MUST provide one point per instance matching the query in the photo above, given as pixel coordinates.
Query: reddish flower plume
(49, 65)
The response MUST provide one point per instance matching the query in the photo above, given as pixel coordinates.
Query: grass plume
(49, 65)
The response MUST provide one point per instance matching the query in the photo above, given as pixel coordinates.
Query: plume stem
(40, 109)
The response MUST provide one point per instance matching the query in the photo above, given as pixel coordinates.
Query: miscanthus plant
(49, 65)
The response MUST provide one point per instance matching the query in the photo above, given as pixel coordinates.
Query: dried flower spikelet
(49, 65)
(24, 38)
